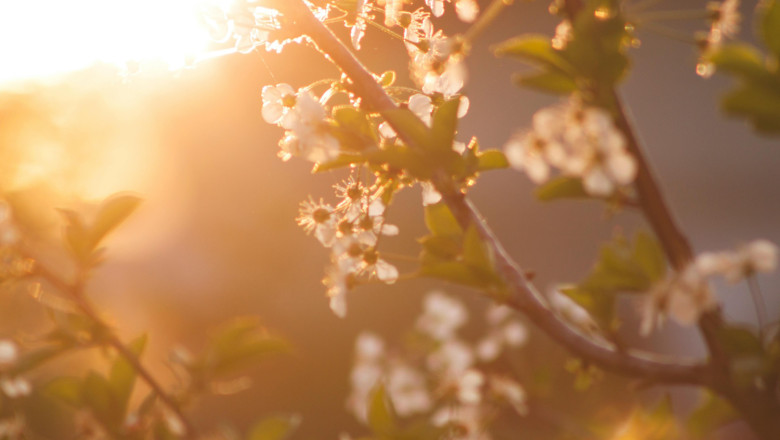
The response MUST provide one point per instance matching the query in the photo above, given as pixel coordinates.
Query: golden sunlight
(44, 38)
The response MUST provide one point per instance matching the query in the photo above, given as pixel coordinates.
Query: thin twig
(76, 293)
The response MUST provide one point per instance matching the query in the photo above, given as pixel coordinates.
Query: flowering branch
(75, 291)
(523, 295)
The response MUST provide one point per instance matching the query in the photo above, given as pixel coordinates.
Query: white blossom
(442, 315)
(9, 353)
(407, 390)
(278, 101)
(318, 218)
(684, 297)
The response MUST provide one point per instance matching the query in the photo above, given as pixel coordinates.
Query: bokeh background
(216, 237)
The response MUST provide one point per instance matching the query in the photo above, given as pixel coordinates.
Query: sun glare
(45, 38)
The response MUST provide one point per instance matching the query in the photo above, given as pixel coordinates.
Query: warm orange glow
(45, 38)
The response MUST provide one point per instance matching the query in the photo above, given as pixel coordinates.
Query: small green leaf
(112, 213)
(381, 415)
(354, 128)
(66, 389)
(455, 272)
(476, 253)
(440, 220)
(274, 428)
(760, 105)
(491, 160)
(549, 82)
(343, 160)
(239, 343)
(387, 79)
(650, 256)
(739, 59)
(770, 25)
(404, 121)
(561, 188)
(739, 341)
(535, 49)
(713, 413)
(442, 247)
(600, 305)
(122, 375)
(99, 397)
(445, 124)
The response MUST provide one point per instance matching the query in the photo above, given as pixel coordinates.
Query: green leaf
(404, 121)
(445, 124)
(600, 305)
(122, 375)
(739, 59)
(739, 341)
(343, 160)
(66, 389)
(650, 256)
(534, 49)
(442, 247)
(76, 235)
(713, 413)
(455, 272)
(476, 253)
(240, 342)
(596, 50)
(770, 25)
(561, 188)
(491, 160)
(355, 130)
(112, 213)
(274, 428)
(759, 104)
(381, 415)
(625, 268)
(99, 397)
(549, 82)
(387, 79)
(440, 220)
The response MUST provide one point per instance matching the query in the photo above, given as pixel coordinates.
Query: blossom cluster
(580, 142)
(687, 295)
(351, 230)
(448, 384)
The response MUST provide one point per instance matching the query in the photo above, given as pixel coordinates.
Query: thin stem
(386, 30)
(76, 292)
(485, 19)
(759, 304)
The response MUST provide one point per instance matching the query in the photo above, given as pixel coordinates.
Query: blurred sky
(216, 235)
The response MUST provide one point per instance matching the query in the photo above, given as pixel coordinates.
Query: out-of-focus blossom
(442, 315)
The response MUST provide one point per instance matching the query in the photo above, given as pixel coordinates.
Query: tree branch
(523, 295)
(75, 292)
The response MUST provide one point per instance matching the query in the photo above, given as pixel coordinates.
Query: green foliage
(757, 95)
(355, 131)
(83, 239)
(123, 375)
(381, 415)
(712, 413)
(622, 267)
(458, 256)
(594, 59)
(561, 188)
(238, 343)
(279, 427)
